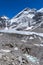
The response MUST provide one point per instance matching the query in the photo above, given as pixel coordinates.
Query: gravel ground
(20, 50)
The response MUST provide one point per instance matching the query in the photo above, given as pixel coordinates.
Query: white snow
(30, 15)
(4, 17)
(40, 10)
(25, 12)
(6, 51)
(23, 40)
(31, 58)
(31, 37)
(13, 31)
(6, 28)
(39, 45)
(20, 59)
(29, 28)
(13, 20)
(16, 48)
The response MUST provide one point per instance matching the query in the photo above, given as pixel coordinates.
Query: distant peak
(4, 17)
(26, 9)
(40, 10)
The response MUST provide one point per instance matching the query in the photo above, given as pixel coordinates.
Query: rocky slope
(17, 49)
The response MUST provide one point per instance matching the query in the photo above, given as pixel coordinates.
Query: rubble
(32, 59)
(17, 52)
(9, 45)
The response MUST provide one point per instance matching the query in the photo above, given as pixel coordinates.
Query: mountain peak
(40, 10)
(26, 9)
(4, 17)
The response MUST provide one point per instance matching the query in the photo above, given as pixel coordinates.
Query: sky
(12, 7)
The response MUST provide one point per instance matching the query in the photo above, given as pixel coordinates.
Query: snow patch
(6, 28)
(30, 15)
(16, 48)
(29, 28)
(32, 59)
(40, 10)
(6, 51)
(4, 17)
(31, 37)
(39, 45)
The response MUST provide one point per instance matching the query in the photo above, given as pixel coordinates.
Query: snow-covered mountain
(27, 19)
(24, 18)
(3, 21)
(24, 13)
(4, 17)
(40, 10)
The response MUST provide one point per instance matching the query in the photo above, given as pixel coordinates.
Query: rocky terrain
(20, 50)
(21, 38)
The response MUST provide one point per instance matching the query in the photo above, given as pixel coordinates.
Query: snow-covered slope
(3, 21)
(27, 19)
(24, 18)
(40, 10)
(4, 17)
